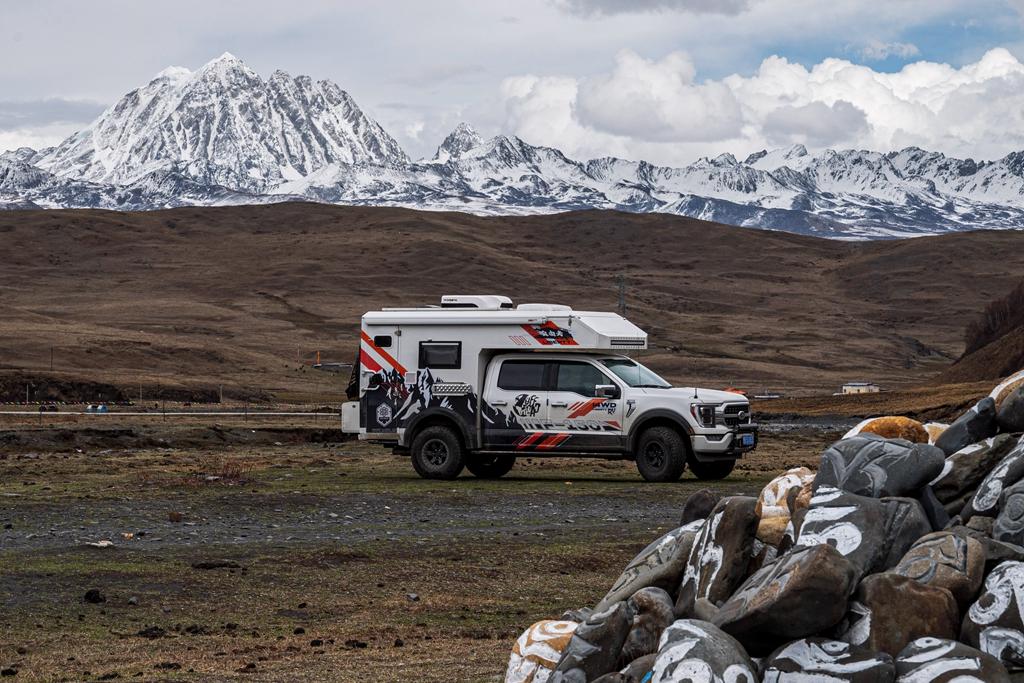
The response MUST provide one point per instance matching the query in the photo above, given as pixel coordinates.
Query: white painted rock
(721, 552)
(536, 652)
(935, 660)
(828, 661)
(699, 652)
(995, 624)
(1008, 472)
(870, 465)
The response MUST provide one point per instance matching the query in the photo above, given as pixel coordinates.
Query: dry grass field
(331, 562)
(243, 297)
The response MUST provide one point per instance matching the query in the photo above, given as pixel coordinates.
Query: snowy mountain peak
(225, 125)
(460, 140)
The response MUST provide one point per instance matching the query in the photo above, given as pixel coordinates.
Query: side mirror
(606, 391)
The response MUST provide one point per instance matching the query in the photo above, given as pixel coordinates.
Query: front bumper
(731, 444)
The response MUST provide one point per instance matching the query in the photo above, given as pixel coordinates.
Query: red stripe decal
(524, 442)
(366, 360)
(383, 354)
(536, 335)
(586, 408)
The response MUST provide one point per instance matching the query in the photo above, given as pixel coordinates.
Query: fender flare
(657, 413)
(410, 428)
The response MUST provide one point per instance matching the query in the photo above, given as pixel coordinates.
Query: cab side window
(580, 378)
(522, 375)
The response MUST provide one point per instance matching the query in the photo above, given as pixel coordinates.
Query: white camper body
(538, 379)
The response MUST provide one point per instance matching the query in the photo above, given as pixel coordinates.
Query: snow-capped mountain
(224, 135)
(224, 125)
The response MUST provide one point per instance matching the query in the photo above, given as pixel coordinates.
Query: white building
(860, 388)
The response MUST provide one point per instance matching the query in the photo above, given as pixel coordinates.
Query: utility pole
(621, 280)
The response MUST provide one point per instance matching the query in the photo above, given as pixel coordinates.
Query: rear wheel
(437, 453)
(716, 469)
(660, 454)
(490, 466)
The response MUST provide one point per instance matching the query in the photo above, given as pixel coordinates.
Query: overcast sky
(663, 80)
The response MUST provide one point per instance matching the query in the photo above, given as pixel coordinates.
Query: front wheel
(437, 453)
(716, 469)
(661, 454)
(490, 466)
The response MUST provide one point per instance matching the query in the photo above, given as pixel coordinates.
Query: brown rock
(889, 611)
(800, 594)
(946, 560)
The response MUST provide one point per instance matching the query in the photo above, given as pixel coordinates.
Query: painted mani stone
(869, 465)
(1009, 525)
(659, 565)
(800, 594)
(1008, 472)
(537, 651)
(827, 661)
(873, 534)
(976, 424)
(946, 560)
(964, 471)
(935, 660)
(995, 622)
(721, 551)
(699, 652)
(595, 646)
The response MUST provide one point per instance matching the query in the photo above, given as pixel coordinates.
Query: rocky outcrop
(894, 562)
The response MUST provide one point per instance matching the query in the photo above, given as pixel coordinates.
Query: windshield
(634, 374)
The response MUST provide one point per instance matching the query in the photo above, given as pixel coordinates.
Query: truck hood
(703, 395)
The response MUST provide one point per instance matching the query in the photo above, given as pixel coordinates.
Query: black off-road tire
(660, 454)
(490, 466)
(714, 470)
(437, 453)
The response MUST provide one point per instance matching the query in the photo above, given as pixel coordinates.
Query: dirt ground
(310, 561)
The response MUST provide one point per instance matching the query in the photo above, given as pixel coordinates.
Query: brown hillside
(242, 295)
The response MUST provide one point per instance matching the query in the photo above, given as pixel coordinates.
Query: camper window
(382, 341)
(522, 375)
(441, 355)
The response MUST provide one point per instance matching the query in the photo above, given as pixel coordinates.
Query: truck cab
(471, 401)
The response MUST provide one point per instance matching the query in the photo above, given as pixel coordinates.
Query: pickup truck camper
(477, 382)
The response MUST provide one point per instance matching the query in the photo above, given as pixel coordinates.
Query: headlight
(704, 414)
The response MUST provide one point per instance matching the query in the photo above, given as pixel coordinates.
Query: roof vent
(480, 302)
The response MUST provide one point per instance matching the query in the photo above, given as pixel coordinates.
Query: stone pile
(900, 559)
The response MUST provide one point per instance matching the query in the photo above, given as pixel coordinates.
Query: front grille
(735, 414)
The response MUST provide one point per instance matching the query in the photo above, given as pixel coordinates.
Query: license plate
(747, 439)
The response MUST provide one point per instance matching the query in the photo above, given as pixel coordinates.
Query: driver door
(581, 420)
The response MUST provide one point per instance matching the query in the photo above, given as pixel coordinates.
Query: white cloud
(878, 51)
(658, 101)
(35, 137)
(660, 111)
(605, 7)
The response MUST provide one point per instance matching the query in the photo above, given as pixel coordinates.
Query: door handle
(499, 403)
(559, 404)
